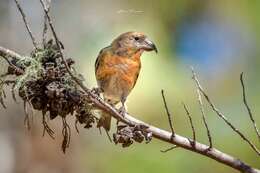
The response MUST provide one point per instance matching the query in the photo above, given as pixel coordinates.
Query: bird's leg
(96, 90)
(122, 109)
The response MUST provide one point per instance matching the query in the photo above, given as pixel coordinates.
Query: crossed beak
(149, 45)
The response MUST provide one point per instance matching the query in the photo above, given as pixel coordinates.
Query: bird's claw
(122, 111)
(96, 91)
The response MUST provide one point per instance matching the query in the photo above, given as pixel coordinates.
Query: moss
(48, 87)
(33, 71)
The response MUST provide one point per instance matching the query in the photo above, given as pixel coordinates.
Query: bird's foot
(122, 111)
(96, 91)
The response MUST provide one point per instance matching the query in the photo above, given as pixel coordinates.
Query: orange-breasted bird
(117, 68)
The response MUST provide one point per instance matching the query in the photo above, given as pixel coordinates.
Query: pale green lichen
(33, 71)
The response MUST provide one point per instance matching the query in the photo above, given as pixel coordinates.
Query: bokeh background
(218, 38)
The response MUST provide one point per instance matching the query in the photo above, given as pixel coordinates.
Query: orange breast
(123, 70)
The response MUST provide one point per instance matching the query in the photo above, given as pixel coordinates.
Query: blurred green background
(218, 38)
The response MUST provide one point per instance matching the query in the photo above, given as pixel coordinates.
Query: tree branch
(191, 123)
(26, 23)
(204, 118)
(168, 113)
(221, 115)
(169, 149)
(58, 43)
(5, 53)
(45, 23)
(164, 135)
(178, 140)
(248, 108)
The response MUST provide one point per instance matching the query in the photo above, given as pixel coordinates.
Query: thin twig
(7, 60)
(76, 125)
(109, 137)
(2, 93)
(2, 100)
(26, 23)
(221, 115)
(58, 43)
(13, 93)
(27, 116)
(204, 118)
(46, 127)
(168, 114)
(248, 108)
(191, 123)
(7, 82)
(169, 149)
(45, 24)
(66, 132)
(32, 112)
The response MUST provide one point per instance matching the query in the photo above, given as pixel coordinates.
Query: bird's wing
(136, 77)
(99, 58)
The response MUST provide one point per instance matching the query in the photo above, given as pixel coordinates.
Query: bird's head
(133, 42)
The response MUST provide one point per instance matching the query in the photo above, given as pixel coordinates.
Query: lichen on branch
(45, 85)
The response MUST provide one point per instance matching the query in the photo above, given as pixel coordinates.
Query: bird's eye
(136, 38)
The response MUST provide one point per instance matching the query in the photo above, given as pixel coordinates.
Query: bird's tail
(104, 121)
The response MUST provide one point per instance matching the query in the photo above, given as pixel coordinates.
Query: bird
(117, 69)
